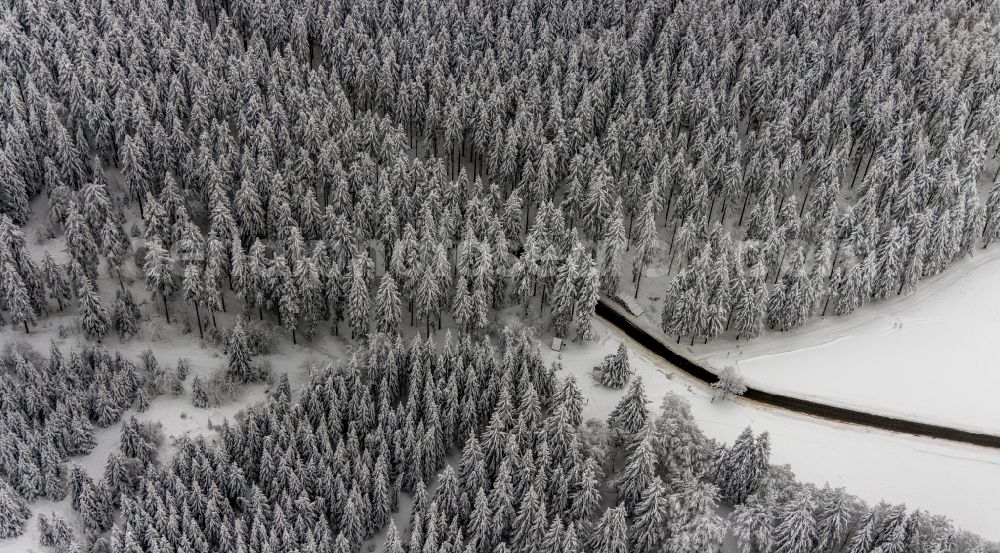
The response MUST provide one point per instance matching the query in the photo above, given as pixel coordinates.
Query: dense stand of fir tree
(783, 160)
(487, 442)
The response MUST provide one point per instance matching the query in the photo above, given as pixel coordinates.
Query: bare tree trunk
(777, 271)
(744, 210)
(628, 239)
(804, 199)
(166, 311)
(833, 265)
(856, 168)
(197, 314)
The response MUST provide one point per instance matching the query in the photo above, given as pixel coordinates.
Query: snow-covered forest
(412, 168)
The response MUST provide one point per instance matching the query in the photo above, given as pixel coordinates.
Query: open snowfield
(954, 480)
(929, 356)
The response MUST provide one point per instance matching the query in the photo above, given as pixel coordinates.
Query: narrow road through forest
(619, 318)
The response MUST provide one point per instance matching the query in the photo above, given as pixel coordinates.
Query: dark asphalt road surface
(616, 316)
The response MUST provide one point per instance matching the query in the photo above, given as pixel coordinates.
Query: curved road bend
(625, 322)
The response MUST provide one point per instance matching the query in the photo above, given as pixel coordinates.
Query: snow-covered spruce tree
(80, 241)
(14, 190)
(14, 513)
(94, 318)
(193, 291)
(14, 295)
(199, 396)
(96, 509)
(835, 513)
(125, 315)
(586, 300)
(612, 246)
(158, 269)
(289, 299)
(239, 366)
(639, 471)
(388, 305)
(629, 417)
(753, 521)
(359, 304)
(54, 277)
(462, 307)
(648, 532)
(644, 240)
(54, 531)
(614, 370)
(796, 528)
(610, 534)
(743, 465)
(562, 298)
(116, 245)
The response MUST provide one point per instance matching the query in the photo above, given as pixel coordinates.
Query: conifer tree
(116, 244)
(135, 169)
(14, 513)
(359, 304)
(597, 206)
(695, 526)
(462, 307)
(388, 305)
(586, 302)
(125, 315)
(93, 316)
(55, 280)
(629, 417)
(796, 531)
(834, 515)
(562, 297)
(742, 466)
(614, 370)
(648, 532)
(238, 351)
(612, 246)
(158, 269)
(640, 468)
(645, 236)
(194, 292)
(610, 534)
(96, 509)
(80, 242)
(393, 544)
(199, 396)
(15, 296)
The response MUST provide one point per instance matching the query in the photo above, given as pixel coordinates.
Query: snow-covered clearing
(954, 480)
(928, 356)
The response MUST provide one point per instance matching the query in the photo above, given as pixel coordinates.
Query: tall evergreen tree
(158, 269)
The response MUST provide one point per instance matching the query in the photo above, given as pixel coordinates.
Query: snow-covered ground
(928, 356)
(950, 479)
